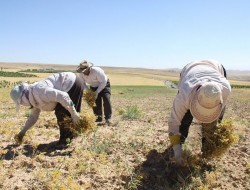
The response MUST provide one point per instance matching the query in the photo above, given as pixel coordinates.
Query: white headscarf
(17, 93)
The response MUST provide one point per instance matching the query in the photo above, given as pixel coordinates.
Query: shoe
(109, 122)
(98, 119)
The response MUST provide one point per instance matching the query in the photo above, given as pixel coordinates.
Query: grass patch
(15, 74)
(131, 112)
(132, 92)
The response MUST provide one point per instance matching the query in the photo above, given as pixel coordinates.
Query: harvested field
(132, 154)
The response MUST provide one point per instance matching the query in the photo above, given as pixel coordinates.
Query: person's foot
(98, 119)
(109, 122)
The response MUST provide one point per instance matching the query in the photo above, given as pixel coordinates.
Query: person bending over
(203, 90)
(61, 92)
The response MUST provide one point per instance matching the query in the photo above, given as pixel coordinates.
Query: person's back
(198, 72)
(61, 92)
(61, 81)
(202, 94)
(47, 93)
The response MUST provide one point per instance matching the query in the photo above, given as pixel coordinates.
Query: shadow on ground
(49, 149)
(158, 172)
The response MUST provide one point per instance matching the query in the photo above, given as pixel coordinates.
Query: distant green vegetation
(240, 86)
(15, 74)
(175, 82)
(232, 85)
(43, 71)
(131, 92)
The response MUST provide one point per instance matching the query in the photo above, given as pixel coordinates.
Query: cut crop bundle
(218, 139)
(86, 123)
(89, 97)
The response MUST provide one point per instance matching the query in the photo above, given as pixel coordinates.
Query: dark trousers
(186, 122)
(75, 94)
(103, 98)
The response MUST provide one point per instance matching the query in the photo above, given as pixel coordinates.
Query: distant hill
(5, 66)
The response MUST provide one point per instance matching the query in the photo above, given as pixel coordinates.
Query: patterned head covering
(83, 66)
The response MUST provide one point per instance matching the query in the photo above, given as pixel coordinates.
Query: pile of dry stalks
(89, 97)
(218, 138)
(86, 123)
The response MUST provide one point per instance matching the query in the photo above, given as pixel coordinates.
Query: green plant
(27, 113)
(134, 182)
(100, 147)
(131, 112)
(15, 74)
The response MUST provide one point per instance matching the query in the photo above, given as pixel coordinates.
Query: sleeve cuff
(175, 139)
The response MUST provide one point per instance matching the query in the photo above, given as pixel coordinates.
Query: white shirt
(46, 94)
(96, 78)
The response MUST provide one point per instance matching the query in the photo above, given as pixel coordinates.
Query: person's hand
(76, 118)
(178, 154)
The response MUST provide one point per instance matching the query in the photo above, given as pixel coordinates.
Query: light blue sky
(126, 33)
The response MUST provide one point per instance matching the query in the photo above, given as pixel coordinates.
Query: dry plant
(218, 139)
(89, 97)
(86, 123)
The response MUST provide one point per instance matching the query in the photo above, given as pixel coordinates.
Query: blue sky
(157, 34)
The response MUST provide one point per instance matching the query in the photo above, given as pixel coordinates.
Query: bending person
(61, 92)
(203, 92)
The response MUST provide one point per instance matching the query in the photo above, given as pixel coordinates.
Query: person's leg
(207, 131)
(98, 108)
(185, 124)
(221, 115)
(75, 94)
(65, 132)
(107, 106)
(106, 94)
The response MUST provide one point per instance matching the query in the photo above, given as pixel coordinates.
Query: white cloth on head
(17, 93)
